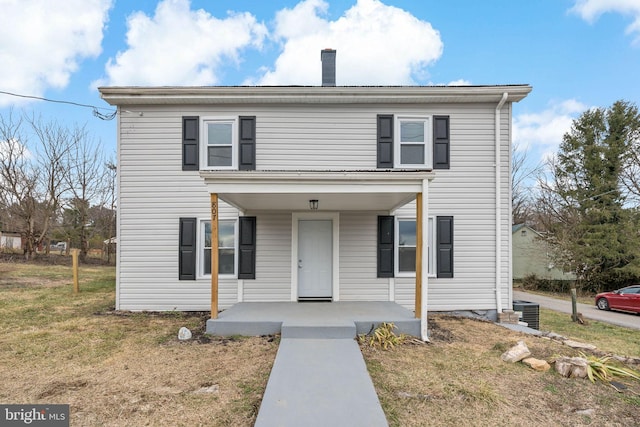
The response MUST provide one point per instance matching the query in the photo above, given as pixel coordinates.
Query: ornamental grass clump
(600, 368)
(383, 336)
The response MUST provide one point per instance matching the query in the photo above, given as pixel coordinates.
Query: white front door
(315, 242)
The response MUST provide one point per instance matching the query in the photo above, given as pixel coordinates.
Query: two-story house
(296, 193)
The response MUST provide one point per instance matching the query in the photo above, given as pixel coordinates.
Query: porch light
(313, 204)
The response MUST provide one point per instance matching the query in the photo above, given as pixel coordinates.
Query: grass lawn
(610, 338)
(119, 369)
(459, 380)
(129, 369)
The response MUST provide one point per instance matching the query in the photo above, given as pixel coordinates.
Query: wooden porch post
(418, 302)
(214, 256)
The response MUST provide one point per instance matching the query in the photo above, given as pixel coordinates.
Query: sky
(576, 54)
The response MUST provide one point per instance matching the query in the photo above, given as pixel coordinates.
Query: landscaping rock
(572, 367)
(580, 345)
(516, 353)
(555, 336)
(537, 364)
(184, 334)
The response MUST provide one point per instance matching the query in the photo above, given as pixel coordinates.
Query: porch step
(314, 330)
(227, 328)
(403, 326)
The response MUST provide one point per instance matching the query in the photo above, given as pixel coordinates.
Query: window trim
(204, 131)
(431, 244)
(201, 248)
(428, 141)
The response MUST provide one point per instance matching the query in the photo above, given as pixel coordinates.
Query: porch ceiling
(335, 191)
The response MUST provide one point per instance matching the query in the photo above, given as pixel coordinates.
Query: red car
(625, 299)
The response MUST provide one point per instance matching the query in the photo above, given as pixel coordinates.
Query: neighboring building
(532, 256)
(314, 193)
(10, 242)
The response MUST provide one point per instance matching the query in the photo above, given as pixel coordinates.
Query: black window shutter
(385, 246)
(444, 243)
(247, 248)
(441, 142)
(247, 143)
(190, 139)
(385, 141)
(187, 249)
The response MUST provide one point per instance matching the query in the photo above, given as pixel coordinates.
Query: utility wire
(96, 110)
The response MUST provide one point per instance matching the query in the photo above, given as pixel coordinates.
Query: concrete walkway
(588, 311)
(320, 382)
(319, 377)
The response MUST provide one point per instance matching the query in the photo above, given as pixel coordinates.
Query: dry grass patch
(120, 369)
(459, 379)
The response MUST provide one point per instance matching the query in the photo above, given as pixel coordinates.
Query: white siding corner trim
(335, 269)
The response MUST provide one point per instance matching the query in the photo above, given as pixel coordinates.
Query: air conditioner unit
(530, 313)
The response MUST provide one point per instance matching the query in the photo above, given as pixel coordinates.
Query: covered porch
(319, 197)
(338, 319)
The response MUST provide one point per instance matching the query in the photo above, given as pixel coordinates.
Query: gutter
(498, 165)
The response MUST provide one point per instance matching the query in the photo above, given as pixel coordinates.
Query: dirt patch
(439, 333)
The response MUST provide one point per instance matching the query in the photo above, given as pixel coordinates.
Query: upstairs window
(220, 146)
(413, 149)
(218, 143)
(412, 142)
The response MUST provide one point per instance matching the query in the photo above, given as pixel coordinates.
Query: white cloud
(542, 132)
(180, 46)
(459, 82)
(591, 10)
(376, 44)
(44, 41)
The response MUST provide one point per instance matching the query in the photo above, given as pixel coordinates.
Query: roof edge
(138, 95)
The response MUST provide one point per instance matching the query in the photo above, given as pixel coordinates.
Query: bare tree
(523, 176)
(52, 155)
(630, 174)
(112, 174)
(86, 182)
(19, 181)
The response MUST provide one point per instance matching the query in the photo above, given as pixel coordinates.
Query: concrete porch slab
(266, 318)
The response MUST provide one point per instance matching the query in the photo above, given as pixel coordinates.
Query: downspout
(498, 166)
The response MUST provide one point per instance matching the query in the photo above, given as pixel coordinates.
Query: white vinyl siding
(273, 259)
(358, 263)
(467, 192)
(155, 192)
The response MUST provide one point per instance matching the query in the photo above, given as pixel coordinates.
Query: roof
(517, 227)
(167, 95)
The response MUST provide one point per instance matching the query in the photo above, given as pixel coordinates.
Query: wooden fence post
(74, 258)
